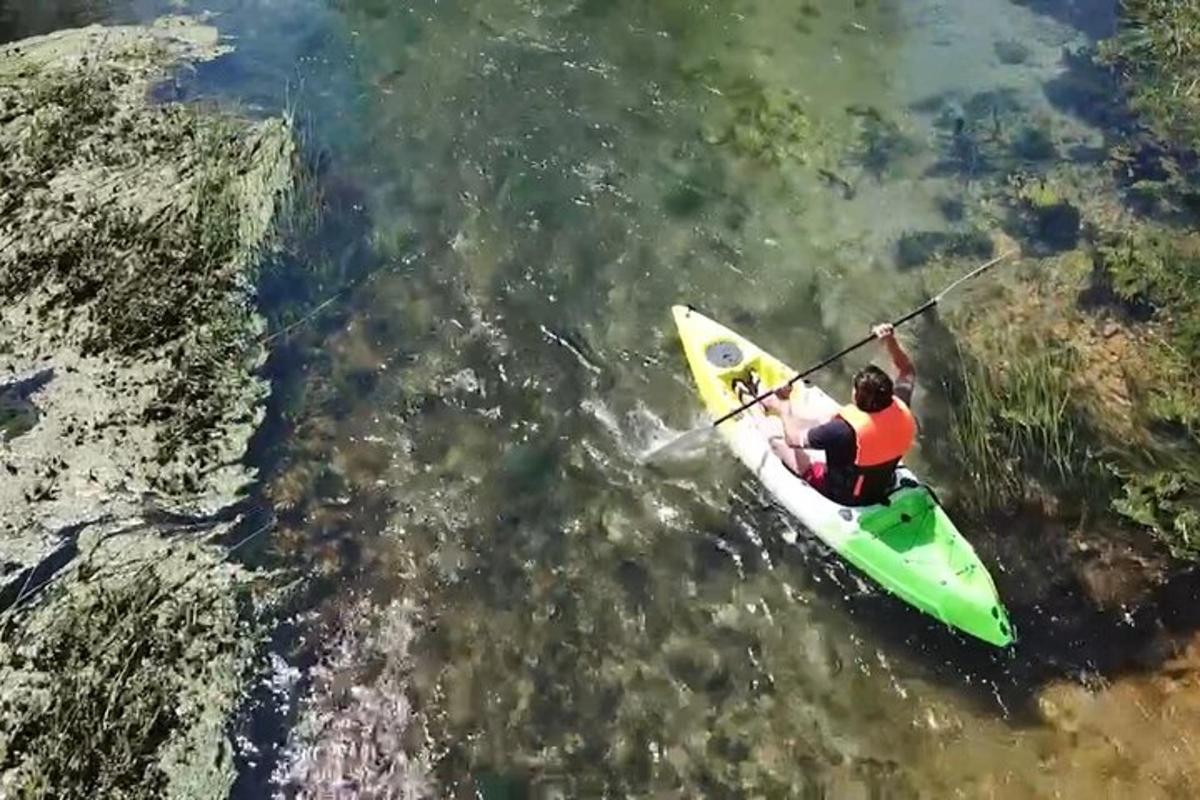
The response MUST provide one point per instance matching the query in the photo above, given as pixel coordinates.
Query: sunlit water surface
(518, 191)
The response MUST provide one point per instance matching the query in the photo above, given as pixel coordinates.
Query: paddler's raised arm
(906, 372)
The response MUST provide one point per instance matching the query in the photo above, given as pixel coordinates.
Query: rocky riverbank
(129, 344)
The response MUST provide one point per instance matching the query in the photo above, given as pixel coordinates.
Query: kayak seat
(905, 523)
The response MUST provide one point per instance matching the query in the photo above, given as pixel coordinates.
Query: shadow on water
(21, 18)
(1096, 18)
(1089, 91)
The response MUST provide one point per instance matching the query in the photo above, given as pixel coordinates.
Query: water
(516, 192)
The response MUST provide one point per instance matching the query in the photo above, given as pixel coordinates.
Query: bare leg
(793, 458)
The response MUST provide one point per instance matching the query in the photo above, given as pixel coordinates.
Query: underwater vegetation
(1076, 393)
(129, 236)
(150, 273)
(1018, 422)
(764, 123)
(915, 248)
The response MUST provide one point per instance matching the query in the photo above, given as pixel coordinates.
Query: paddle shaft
(866, 341)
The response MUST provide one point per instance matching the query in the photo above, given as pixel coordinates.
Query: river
(515, 192)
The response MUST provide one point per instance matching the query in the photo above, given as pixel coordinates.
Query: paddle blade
(683, 447)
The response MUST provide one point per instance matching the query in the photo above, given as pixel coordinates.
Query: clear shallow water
(456, 447)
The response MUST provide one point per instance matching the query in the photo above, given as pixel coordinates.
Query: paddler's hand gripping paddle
(933, 301)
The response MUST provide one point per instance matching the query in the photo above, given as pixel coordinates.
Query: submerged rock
(1011, 51)
(1048, 217)
(358, 733)
(919, 247)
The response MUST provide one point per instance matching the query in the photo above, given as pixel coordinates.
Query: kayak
(908, 544)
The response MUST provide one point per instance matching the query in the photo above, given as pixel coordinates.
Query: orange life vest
(882, 439)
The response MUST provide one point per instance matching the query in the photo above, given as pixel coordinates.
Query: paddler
(863, 442)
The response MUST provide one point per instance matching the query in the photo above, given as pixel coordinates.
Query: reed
(1016, 419)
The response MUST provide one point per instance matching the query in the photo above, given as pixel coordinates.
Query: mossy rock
(1011, 51)
(1034, 144)
(1047, 216)
(920, 247)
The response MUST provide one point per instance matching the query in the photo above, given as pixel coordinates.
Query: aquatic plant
(1090, 407)
(89, 226)
(1044, 212)
(764, 123)
(1157, 52)
(880, 144)
(1157, 273)
(1167, 501)
(118, 681)
(915, 248)
(1015, 418)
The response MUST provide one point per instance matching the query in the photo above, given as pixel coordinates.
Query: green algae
(131, 233)
(118, 680)
(769, 125)
(141, 224)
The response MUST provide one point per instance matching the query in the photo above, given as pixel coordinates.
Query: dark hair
(872, 389)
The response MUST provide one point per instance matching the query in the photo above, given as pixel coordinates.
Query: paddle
(690, 437)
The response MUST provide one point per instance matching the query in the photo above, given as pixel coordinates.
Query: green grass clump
(1157, 272)
(1166, 501)
(1015, 419)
